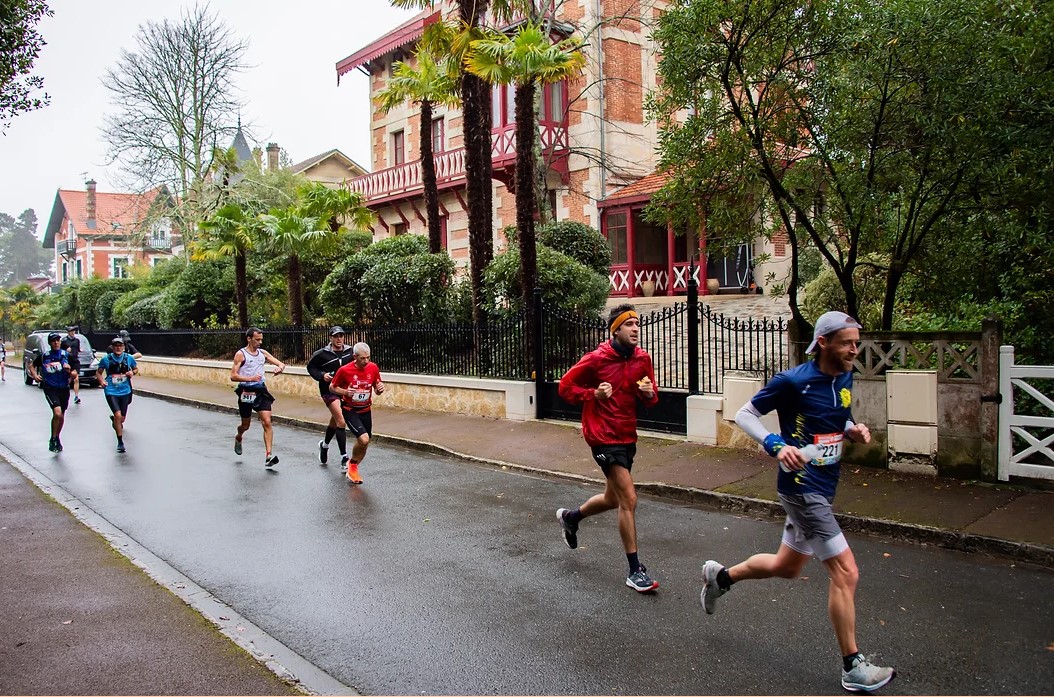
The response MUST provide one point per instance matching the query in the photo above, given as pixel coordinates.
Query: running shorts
(810, 527)
(119, 402)
(607, 456)
(252, 399)
(57, 396)
(359, 422)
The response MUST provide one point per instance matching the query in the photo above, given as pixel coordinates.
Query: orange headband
(622, 318)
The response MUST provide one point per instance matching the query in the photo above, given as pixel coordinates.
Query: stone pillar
(991, 339)
(272, 157)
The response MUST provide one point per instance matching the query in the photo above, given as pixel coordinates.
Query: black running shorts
(607, 456)
(359, 422)
(119, 402)
(57, 397)
(253, 399)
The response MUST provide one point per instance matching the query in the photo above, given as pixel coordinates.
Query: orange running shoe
(353, 473)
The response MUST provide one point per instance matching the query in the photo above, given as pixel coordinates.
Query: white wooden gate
(1023, 463)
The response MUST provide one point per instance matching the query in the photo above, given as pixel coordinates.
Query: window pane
(510, 104)
(495, 105)
(649, 241)
(398, 153)
(437, 135)
(616, 231)
(556, 91)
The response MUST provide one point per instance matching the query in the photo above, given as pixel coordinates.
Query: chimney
(89, 204)
(272, 157)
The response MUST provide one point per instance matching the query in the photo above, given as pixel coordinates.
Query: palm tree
(229, 233)
(430, 84)
(338, 207)
(291, 234)
(525, 59)
(476, 119)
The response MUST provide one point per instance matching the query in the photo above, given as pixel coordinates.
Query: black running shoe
(237, 446)
(51, 445)
(570, 529)
(58, 444)
(271, 461)
(120, 447)
(76, 400)
(323, 452)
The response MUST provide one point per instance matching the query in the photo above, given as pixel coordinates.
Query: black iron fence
(692, 347)
(495, 349)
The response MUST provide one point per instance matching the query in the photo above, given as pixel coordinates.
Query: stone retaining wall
(499, 399)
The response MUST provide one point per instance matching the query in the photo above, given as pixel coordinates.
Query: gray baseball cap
(829, 323)
(333, 331)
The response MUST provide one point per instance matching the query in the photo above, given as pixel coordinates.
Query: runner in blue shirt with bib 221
(117, 369)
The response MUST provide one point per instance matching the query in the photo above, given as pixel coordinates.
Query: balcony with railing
(67, 248)
(157, 244)
(403, 181)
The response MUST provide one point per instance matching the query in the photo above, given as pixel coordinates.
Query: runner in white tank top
(248, 373)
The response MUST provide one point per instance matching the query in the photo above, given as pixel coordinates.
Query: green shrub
(392, 281)
(202, 289)
(576, 240)
(126, 300)
(89, 292)
(825, 293)
(143, 313)
(104, 308)
(565, 283)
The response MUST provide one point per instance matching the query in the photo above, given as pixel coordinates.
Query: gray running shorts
(810, 527)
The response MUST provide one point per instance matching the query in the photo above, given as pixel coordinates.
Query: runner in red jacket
(607, 383)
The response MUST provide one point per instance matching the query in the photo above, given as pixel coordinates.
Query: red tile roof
(126, 210)
(638, 191)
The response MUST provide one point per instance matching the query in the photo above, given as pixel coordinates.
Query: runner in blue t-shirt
(52, 371)
(117, 369)
(813, 403)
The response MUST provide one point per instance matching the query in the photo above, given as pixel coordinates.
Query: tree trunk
(296, 292)
(525, 197)
(428, 179)
(241, 290)
(475, 96)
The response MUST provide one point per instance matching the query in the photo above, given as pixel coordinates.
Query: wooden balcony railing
(405, 179)
(67, 247)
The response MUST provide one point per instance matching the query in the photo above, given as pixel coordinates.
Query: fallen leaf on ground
(887, 555)
(1051, 647)
(882, 623)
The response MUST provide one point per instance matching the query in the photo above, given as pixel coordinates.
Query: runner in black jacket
(323, 365)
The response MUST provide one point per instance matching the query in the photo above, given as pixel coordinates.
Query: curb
(285, 663)
(1041, 555)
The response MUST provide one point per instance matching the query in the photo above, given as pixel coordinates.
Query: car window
(85, 345)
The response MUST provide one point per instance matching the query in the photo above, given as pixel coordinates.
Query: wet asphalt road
(443, 577)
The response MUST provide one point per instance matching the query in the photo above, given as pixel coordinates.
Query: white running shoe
(865, 676)
(711, 591)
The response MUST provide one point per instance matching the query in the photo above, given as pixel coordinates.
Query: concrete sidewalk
(1007, 520)
(79, 618)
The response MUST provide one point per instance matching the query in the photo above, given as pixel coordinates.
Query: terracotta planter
(648, 288)
(712, 286)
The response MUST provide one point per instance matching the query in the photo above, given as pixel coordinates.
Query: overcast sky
(291, 91)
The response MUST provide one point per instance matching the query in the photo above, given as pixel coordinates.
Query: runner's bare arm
(279, 365)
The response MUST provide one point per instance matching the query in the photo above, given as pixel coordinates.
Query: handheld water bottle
(810, 451)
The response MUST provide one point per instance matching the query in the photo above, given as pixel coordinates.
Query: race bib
(52, 367)
(360, 396)
(118, 379)
(247, 397)
(830, 445)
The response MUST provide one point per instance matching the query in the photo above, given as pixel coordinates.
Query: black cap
(72, 328)
(54, 336)
(117, 340)
(333, 331)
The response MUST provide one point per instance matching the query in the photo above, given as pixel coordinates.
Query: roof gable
(113, 211)
(355, 168)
